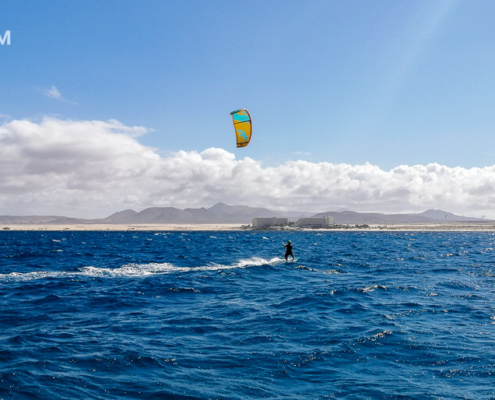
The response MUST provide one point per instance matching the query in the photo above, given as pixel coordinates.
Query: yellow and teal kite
(242, 126)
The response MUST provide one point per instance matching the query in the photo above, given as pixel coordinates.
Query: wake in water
(137, 270)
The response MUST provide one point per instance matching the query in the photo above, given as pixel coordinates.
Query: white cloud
(93, 168)
(54, 93)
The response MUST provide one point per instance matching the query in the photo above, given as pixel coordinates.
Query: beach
(123, 227)
(420, 227)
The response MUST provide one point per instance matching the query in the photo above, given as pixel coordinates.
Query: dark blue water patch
(221, 315)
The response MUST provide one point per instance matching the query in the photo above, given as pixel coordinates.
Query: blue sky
(388, 83)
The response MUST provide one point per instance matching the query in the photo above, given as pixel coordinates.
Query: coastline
(122, 227)
(418, 227)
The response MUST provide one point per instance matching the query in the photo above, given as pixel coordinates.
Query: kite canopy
(242, 125)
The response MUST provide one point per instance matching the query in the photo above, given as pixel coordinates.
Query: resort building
(260, 223)
(314, 222)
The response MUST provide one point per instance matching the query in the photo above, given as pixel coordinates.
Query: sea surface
(221, 315)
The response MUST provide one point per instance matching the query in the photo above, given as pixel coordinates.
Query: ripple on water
(221, 315)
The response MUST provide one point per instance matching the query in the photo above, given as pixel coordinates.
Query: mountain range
(227, 214)
(429, 216)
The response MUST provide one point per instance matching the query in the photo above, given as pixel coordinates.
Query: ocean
(221, 315)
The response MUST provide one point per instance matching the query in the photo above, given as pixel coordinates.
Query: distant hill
(445, 216)
(429, 216)
(29, 219)
(352, 217)
(238, 214)
(219, 213)
(120, 216)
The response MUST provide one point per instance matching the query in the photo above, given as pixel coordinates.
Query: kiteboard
(294, 260)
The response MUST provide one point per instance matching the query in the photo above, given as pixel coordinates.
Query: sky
(372, 106)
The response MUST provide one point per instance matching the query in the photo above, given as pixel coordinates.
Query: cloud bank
(94, 168)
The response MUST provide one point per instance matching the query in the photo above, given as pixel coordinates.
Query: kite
(242, 126)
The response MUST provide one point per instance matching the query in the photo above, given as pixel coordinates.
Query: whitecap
(372, 288)
(380, 335)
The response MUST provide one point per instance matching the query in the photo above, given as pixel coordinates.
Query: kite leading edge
(242, 126)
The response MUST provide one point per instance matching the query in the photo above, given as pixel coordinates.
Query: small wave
(380, 335)
(184, 290)
(328, 271)
(306, 268)
(372, 288)
(375, 337)
(136, 270)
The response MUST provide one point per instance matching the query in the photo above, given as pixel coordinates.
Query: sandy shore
(123, 227)
(236, 227)
(438, 227)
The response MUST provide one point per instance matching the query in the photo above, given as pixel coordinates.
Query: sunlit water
(221, 315)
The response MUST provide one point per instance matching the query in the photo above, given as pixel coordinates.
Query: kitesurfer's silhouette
(288, 250)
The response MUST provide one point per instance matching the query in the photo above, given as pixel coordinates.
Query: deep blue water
(220, 315)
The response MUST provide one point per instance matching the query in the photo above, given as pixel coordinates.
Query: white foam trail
(136, 270)
(249, 262)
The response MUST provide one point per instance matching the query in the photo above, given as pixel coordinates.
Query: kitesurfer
(288, 250)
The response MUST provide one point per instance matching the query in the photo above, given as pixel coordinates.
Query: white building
(314, 222)
(266, 222)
